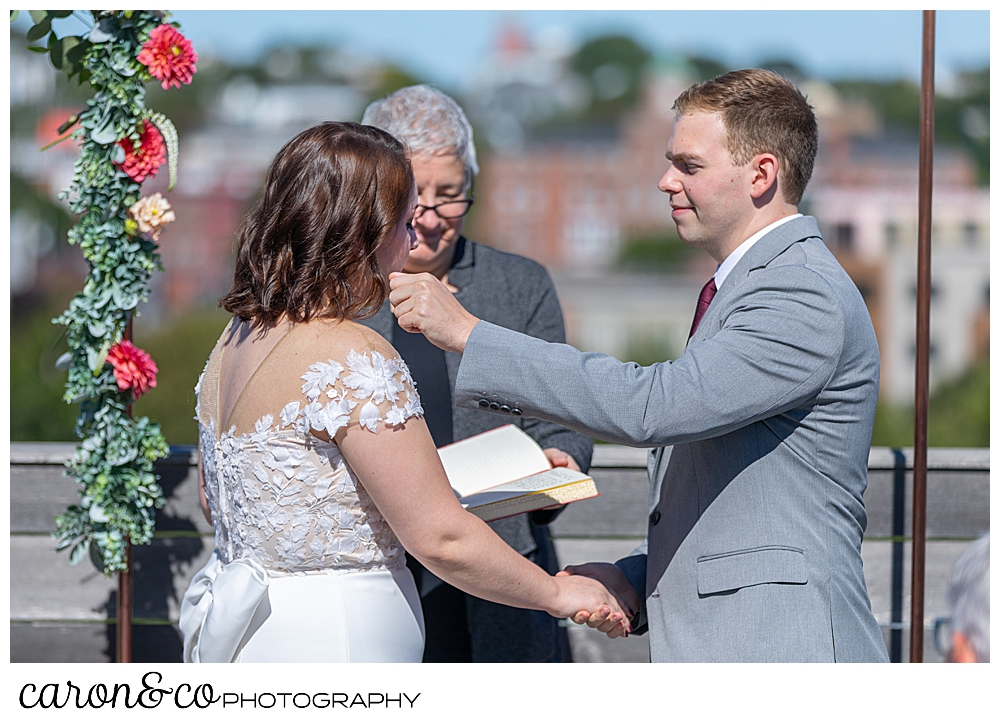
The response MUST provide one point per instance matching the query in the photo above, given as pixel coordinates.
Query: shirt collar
(726, 266)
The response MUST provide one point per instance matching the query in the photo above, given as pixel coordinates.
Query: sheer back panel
(278, 487)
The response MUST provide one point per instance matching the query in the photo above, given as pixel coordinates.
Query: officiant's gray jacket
(515, 293)
(756, 514)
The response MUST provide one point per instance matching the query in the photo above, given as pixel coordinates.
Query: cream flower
(152, 213)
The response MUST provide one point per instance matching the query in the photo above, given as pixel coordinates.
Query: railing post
(923, 341)
(898, 535)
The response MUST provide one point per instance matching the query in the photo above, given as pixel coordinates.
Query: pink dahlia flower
(134, 369)
(169, 57)
(146, 160)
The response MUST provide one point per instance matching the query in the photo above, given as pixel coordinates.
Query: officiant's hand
(423, 304)
(558, 458)
(615, 581)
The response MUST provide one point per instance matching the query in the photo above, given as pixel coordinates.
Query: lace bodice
(282, 496)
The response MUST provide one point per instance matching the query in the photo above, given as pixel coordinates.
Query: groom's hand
(617, 584)
(423, 304)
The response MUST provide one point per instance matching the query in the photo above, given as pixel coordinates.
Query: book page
(490, 459)
(547, 480)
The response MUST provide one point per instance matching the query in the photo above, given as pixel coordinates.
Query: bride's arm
(401, 470)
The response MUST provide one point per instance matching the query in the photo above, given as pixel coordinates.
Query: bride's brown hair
(332, 196)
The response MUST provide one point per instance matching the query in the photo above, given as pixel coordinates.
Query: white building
(876, 227)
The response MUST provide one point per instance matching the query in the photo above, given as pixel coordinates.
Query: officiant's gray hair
(427, 121)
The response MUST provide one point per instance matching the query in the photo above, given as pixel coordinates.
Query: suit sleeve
(633, 566)
(776, 349)
(634, 569)
(546, 322)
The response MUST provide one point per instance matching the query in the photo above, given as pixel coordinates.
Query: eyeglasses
(942, 636)
(448, 209)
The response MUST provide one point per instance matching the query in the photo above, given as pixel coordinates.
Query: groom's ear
(764, 176)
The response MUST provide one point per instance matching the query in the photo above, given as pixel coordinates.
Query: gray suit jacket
(756, 517)
(516, 293)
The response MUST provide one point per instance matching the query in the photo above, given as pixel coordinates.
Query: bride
(317, 468)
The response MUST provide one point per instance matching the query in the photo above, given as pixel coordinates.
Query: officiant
(510, 291)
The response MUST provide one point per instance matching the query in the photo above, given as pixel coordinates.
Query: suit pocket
(746, 568)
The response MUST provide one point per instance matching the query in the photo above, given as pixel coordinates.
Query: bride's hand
(580, 598)
(615, 581)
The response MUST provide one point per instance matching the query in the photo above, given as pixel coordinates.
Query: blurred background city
(571, 112)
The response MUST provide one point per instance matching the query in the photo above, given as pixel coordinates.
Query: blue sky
(446, 46)
(443, 47)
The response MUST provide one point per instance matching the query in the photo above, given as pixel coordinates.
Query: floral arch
(122, 144)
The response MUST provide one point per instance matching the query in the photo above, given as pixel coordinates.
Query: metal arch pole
(923, 341)
(123, 619)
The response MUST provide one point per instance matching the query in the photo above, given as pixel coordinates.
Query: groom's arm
(772, 353)
(543, 319)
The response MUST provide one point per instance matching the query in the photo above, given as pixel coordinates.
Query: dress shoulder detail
(286, 498)
(369, 390)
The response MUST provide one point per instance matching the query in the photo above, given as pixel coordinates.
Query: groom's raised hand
(422, 303)
(618, 585)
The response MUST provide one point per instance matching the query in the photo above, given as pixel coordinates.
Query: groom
(761, 429)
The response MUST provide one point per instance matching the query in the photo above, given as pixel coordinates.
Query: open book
(504, 472)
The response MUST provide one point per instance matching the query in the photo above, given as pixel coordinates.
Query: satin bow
(218, 608)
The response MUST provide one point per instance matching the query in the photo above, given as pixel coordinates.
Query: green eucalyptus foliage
(115, 462)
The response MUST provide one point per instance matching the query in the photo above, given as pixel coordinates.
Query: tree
(958, 414)
(705, 68)
(612, 66)
(960, 119)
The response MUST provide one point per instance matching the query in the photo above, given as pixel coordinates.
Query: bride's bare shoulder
(327, 338)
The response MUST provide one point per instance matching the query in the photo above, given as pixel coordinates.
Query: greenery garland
(122, 143)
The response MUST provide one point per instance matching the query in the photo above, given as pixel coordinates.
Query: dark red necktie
(704, 299)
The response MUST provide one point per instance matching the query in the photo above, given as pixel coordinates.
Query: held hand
(616, 582)
(423, 304)
(558, 458)
(580, 593)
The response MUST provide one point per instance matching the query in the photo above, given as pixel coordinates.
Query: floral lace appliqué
(287, 499)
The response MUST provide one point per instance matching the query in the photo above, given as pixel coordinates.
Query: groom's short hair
(763, 112)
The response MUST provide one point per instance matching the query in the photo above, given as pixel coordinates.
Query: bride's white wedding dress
(305, 568)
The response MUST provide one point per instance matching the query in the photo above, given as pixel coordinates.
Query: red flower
(134, 368)
(151, 154)
(169, 57)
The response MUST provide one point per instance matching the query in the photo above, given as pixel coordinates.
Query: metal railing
(66, 614)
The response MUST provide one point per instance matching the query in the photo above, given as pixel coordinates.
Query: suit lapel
(774, 244)
(759, 256)
(460, 276)
(460, 273)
